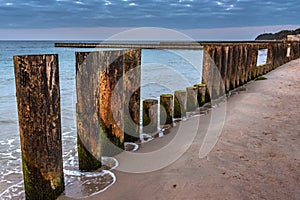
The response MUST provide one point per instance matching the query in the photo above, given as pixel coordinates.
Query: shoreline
(256, 156)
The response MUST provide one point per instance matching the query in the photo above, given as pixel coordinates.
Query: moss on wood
(41, 185)
(261, 78)
(87, 162)
(166, 109)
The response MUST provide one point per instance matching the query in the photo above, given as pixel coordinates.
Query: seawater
(163, 71)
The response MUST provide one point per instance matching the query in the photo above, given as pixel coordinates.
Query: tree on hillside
(277, 36)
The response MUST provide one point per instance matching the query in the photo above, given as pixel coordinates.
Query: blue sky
(110, 16)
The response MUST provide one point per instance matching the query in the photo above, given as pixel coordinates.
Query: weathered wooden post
(234, 66)
(119, 99)
(231, 82)
(249, 62)
(270, 59)
(111, 102)
(224, 69)
(208, 72)
(108, 93)
(244, 64)
(254, 56)
(87, 108)
(38, 98)
(191, 100)
(166, 109)
(217, 68)
(277, 48)
(201, 94)
(179, 103)
(150, 115)
(239, 65)
(132, 83)
(295, 53)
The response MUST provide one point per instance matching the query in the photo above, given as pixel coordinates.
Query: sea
(162, 72)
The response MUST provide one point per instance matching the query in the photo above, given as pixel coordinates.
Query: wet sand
(257, 155)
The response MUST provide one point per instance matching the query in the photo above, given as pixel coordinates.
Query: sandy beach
(256, 155)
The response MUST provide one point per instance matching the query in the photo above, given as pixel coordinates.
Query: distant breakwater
(134, 45)
(153, 44)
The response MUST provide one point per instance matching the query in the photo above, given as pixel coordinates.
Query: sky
(99, 19)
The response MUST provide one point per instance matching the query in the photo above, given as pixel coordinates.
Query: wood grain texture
(166, 109)
(38, 99)
(179, 103)
(150, 115)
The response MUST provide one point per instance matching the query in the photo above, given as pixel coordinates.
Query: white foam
(87, 182)
(14, 192)
(161, 133)
(144, 137)
(10, 141)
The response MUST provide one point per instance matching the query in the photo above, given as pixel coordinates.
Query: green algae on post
(41, 185)
(88, 128)
(201, 94)
(88, 162)
(261, 78)
(150, 115)
(179, 103)
(132, 93)
(166, 109)
(110, 146)
(192, 102)
(111, 96)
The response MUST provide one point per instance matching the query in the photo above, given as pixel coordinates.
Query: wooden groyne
(154, 44)
(228, 65)
(137, 45)
(108, 100)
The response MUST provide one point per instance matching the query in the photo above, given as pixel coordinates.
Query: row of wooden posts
(108, 103)
(172, 107)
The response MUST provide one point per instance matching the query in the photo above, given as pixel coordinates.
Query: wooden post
(150, 115)
(108, 92)
(166, 109)
(179, 103)
(201, 94)
(270, 59)
(295, 50)
(38, 98)
(234, 69)
(132, 83)
(254, 57)
(244, 63)
(277, 54)
(111, 102)
(224, 69)
(239, 65)
(231, 82)
(87, 108)
(249, 62)
(192, 101)
(208, 73)
(217, 69)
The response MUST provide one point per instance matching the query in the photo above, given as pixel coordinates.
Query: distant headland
(281, 35)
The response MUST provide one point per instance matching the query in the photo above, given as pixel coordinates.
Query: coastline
(256, 157)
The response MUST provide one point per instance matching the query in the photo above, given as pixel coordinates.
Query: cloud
(184, 14)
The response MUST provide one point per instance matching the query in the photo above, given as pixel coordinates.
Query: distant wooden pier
(134, 45)
(193, 45)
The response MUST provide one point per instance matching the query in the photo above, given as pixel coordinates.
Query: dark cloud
(140, 13)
